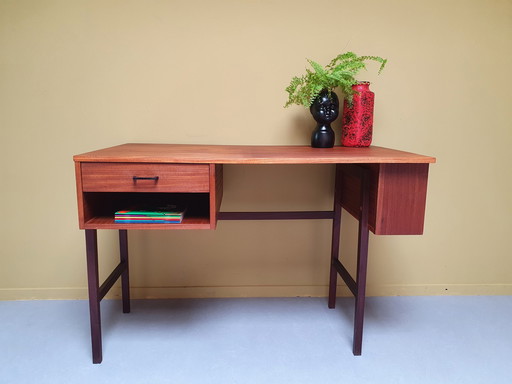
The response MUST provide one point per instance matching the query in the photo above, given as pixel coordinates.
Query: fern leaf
(340, 72)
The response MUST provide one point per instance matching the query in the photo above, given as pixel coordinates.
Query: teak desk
(384, 189)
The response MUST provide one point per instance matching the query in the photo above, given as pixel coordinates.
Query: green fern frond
(339, 73)
(317, 67)
(377, 59)
(344, 57)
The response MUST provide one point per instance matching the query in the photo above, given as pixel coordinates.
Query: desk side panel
(216, 191)
(397, 197)
(401, 199)
(351, 193)
(80, 196)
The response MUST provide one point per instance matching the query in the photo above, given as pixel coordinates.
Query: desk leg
(357, 286)
(335, 245)
(91, 245)
(362, 265)
(125, 281)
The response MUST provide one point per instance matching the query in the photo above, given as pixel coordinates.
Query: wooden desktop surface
(249, 154)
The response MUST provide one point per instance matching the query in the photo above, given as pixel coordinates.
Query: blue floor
(412, 340)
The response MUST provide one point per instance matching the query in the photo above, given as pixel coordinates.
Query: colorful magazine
(168, 214)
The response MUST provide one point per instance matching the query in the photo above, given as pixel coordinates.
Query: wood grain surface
(249, 154)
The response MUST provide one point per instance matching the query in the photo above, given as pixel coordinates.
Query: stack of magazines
(163, 215)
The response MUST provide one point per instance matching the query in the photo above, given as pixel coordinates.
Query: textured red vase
(357, 126)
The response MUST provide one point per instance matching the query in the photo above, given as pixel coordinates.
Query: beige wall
(81, 75)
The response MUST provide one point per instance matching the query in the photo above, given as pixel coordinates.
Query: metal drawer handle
(135, 178)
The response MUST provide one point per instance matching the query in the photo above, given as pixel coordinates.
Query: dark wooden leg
(335, 245)
(91, 245)
(358, 285)
(125, 279)
(362, 263)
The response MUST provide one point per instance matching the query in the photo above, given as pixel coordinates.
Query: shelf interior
(100, 208)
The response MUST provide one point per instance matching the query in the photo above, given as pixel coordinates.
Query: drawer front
(144, 177)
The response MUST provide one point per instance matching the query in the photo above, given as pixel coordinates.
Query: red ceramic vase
(358, 118)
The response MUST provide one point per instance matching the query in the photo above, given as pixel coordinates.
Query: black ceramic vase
(325, 110)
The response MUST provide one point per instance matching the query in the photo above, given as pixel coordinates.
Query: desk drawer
(145, 177)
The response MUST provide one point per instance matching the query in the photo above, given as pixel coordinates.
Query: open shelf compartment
(100, 208)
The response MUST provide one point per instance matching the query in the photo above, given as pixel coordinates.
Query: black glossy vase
(325, 110)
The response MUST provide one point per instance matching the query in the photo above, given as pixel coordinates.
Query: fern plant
(339, 73)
